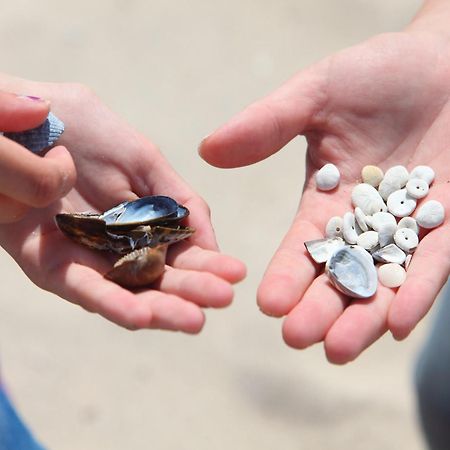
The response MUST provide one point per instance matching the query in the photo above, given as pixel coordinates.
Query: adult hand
(115, 163)
(384, 102)
(26, 180)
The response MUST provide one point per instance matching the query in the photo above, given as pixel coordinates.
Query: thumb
(267, 125)
(19, 112)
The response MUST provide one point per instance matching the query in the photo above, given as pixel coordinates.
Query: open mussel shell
(352, 271)
(144, 211)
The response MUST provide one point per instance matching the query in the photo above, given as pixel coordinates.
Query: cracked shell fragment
(322, 249)
(352, 271)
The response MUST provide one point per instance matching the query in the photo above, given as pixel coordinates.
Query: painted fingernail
(33, 98)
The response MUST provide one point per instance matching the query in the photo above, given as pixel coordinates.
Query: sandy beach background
(176, 70)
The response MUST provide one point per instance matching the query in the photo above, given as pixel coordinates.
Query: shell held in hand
(141, 230)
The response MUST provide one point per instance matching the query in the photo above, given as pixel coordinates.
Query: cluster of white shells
(379, 229)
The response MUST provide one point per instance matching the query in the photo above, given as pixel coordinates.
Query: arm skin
(113, 163)
(383, 102)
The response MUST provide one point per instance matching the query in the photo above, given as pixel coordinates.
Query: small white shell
(368, 199)
(372, 175)
(350, 234)
(352, 271)
(327, 178)
(381, 218)
(321, 249)
(424, 173)
(391, 275)
(386, 233)
(387, 187)
(431, 214)
(361, 219)
(368, 240)
(334, 227)
(390, 254)
(398, 173)
(408, 260)
(401, 204)
(417, 188)
(406, 239)
(408, 222)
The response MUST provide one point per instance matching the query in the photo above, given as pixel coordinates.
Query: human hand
(26, 180)
(115, 163)
(384, 102)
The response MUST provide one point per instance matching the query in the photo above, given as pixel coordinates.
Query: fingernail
(33, 98)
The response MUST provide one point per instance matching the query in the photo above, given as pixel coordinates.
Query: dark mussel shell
(144, 211)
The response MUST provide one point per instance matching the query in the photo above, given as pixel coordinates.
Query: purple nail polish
(31, 97)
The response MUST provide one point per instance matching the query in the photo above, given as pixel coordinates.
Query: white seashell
(368, 240)
(401, 204)
(406, 239)
(352, 271)
(369, 221)
(391, 275)
(350, 234)
(386, 233)
(334, 227)
(398, 173)
(431, 214)
(408, 222)
(408, 260)
(424, 173)
(390, 254)
(387, 187)
(381, 218)
(368, 199)
(417, 188)
(372, 175)
(327, 178)
(321, 249)
(360, 218)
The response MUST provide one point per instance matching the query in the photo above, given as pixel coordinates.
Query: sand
(176, 70)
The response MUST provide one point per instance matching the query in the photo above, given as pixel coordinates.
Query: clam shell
(372, 175)
(41, 137)
(390, 254)
(368, 199)
(386, 233)
(431, 214)
(401, 204)
(398, 173)
(351, 270)
(327, 178)
(350, 234)
(322, 249)
(368, 240)
(424, 173)
(406, 239)
(334, 227)
(381, 218)
(391, 275)
(408, 222)
(360, 218)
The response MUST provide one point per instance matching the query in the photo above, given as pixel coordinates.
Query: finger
(290, 272)
(150, 309)
(426, 276)
(11, 210)
(201, 288)
(19, 113)
(31, 179)
(160, 178)
(310, 320)
(267, 125)
(190, 257)
(360, 325)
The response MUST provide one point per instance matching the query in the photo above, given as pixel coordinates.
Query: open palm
(114, 163)
(384, 102)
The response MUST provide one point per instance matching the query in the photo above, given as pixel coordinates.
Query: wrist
(432, 18)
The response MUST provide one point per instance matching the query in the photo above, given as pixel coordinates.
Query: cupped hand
(115, 163)
(384, 102)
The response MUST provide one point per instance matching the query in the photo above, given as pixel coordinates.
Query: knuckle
(46, 188)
